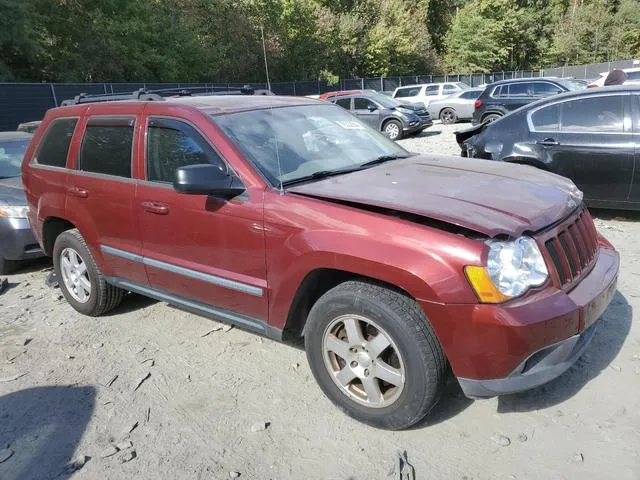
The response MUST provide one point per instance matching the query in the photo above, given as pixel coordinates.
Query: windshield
(11, 154)
(383, 100)
(291, 143)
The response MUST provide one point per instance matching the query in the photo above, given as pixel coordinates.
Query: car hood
(491, 198)
(12, 192)
(417, 108)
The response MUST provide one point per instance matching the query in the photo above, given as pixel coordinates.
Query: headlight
(512, 268)
(404, 110)
(14, 212)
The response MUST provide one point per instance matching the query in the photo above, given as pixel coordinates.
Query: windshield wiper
(383, 159)
(319, 175)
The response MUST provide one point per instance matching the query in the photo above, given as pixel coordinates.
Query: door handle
(78, 192)
(548, 142)
(156, 208)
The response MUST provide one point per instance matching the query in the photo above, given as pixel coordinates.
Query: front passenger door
(196, 247)
(367, 111)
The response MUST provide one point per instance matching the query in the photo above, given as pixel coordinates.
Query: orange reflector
(483, 286)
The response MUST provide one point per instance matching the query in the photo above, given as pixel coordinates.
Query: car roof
(216, 104)
(528, 79)
(9, 136)
(585, 92)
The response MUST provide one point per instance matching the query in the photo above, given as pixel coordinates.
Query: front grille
(573, 250)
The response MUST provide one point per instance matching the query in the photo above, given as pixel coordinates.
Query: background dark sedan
(590, 136)
(16, 239)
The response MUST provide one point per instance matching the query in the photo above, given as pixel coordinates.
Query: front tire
(375, 355)
(393, 129)
(80, 279)
(448, 116)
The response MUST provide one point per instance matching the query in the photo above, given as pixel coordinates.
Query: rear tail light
(477, 104)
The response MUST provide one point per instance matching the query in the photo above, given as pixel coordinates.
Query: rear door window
(344, 103)
(546, 119)
(173, 143)
(545, 89)
(107, 146)
(54, 148)
(594, 114)
(520, 90)
(432, 90)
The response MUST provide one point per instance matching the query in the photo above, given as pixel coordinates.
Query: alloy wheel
(392, 130)
(74, 275)
(363, 361)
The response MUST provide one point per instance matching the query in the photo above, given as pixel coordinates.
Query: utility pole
(264, 51)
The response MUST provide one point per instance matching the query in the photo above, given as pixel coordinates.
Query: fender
(397, 255)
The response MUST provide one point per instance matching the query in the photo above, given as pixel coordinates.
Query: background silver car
(458, 106)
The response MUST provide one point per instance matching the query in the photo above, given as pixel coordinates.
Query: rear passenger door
(100, 193)
(589, 140)
(519, 94)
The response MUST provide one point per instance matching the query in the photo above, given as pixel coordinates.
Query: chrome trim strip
(231, 317)
(116, 252)
(205, 277)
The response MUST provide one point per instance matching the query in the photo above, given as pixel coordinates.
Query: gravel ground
(145, 394)
(436, 139)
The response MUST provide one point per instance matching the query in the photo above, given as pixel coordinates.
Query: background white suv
(426, 92)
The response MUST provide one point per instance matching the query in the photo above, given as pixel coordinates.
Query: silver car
(458, 106)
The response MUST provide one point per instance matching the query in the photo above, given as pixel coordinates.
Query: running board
(198, 308)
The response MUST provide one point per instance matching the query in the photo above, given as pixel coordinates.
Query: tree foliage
(204, 40)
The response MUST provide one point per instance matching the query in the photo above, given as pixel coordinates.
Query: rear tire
(492, 117)
(80, 279)
(8, 266)
(392, 129)
(448, 116)
(390, 387)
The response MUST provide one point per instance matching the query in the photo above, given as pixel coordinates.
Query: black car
(590, 136)
(502, 97)
(16, 238)
(393, 118)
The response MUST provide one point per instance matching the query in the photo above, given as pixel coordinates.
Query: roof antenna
(264, 52)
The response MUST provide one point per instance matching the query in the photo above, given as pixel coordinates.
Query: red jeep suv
(289, 217)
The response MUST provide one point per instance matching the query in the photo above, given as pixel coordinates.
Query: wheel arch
(52, 227)
(315, 284)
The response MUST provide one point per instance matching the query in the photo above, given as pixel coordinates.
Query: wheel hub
(363, 361)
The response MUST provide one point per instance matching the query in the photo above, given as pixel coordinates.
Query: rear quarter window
(54, 148)
(107, 146)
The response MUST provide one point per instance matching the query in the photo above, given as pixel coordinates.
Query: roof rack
(156, 95)
(141, 94)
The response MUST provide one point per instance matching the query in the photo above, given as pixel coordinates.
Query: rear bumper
(501, 349)
(17, 241)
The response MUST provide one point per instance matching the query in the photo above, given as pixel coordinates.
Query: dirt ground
(180, 404)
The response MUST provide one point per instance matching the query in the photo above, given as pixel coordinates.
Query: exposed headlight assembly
(513, 267)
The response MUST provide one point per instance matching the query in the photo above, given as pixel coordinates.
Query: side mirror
(207, 179)
(372, 108)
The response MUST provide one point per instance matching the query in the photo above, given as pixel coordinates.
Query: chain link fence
(24, 102)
